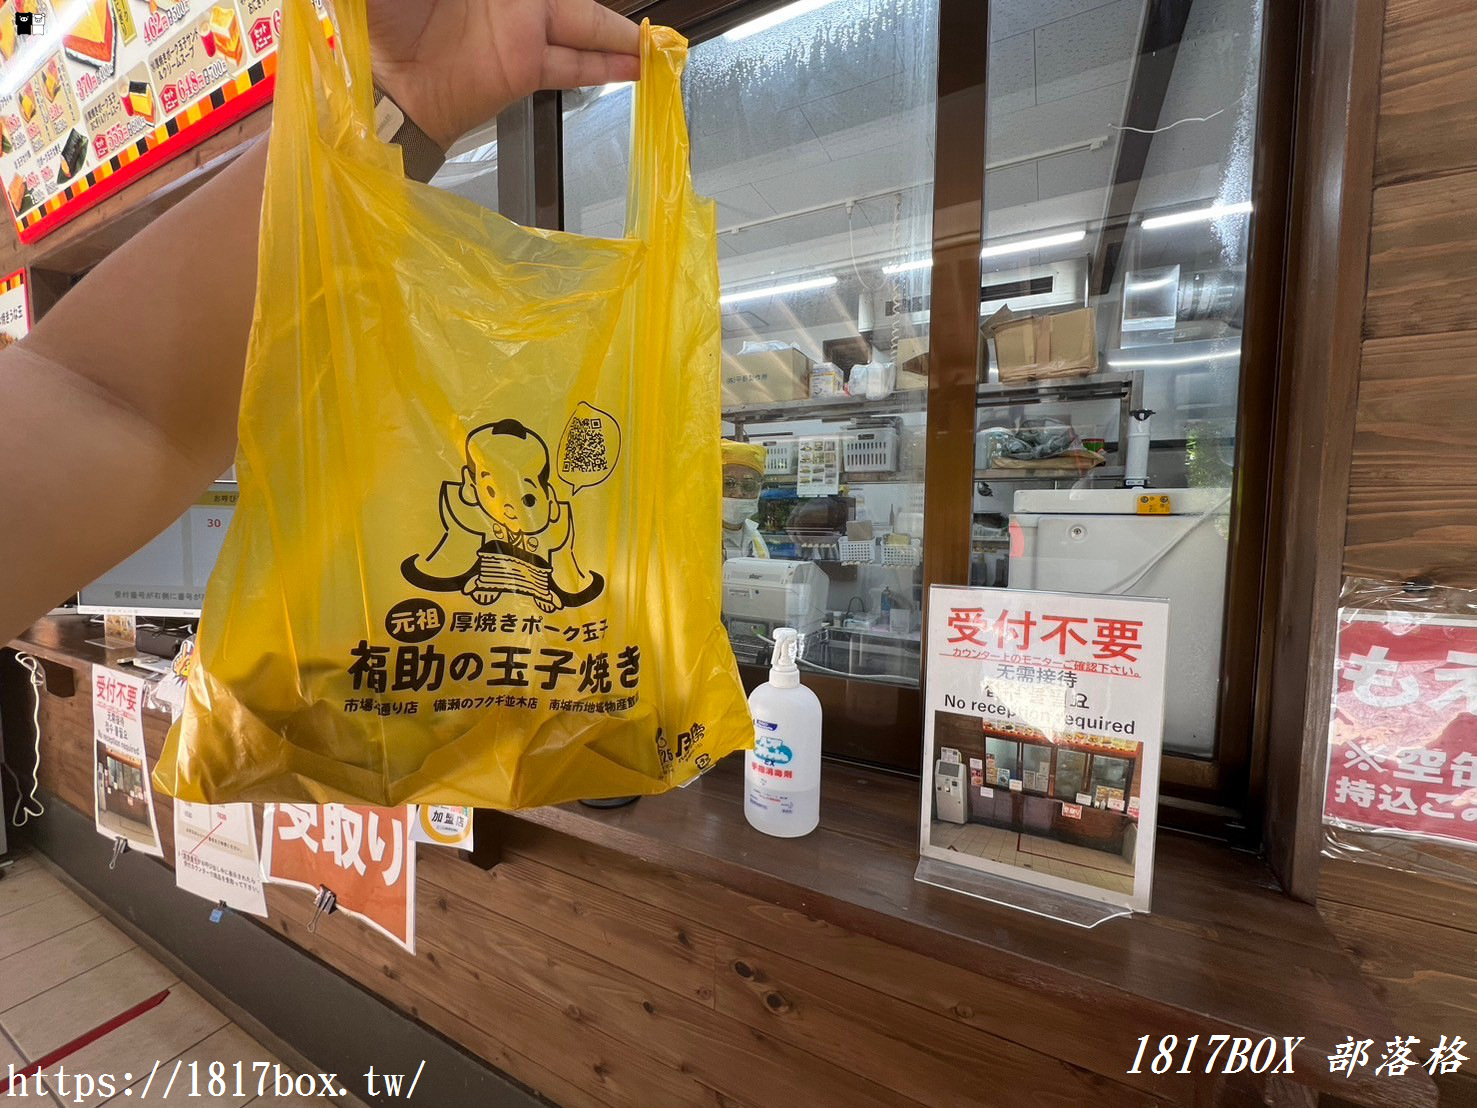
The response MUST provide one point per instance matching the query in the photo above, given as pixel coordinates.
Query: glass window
(812, 129)
(1035, 767)
(1071, 774)
(471, 167)
(1110, 778)
(1119, 154)
(1004, 755)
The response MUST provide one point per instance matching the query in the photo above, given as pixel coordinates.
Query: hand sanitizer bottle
(782, 774)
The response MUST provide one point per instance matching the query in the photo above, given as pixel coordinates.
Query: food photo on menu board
(95, 93)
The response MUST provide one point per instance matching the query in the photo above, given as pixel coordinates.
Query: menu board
(15, 308)
(100, 92)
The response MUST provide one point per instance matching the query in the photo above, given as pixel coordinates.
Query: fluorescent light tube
(1066, 238)
(1215, 211)
(1193, 359)
(1145, 286)
(745, 295)
(774, 19)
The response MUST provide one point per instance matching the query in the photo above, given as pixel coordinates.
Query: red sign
(1402, 751)
(261, 34)
(363, 855)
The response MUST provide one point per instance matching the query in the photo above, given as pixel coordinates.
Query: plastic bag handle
(661, 179)
(326, 88)
(327, 91)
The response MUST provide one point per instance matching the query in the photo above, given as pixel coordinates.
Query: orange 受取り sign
(362, 854)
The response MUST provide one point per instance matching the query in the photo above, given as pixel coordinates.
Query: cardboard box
(764, 378)
(826, 380)
(1042, 347)
(910, 348)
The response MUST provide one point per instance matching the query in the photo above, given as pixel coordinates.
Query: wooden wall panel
(1428, 98)
(933, 1059)
(1422, 279)
(1413, 500)
(1400, 531)
(1072, 1032)
(1418, 410)
(1413, 494)
(1423, 971)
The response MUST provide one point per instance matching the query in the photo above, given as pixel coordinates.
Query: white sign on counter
(1064, 695)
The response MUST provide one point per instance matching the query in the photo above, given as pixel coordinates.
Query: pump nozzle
(784, 673)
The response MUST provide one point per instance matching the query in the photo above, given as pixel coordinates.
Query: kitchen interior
(1112, 285)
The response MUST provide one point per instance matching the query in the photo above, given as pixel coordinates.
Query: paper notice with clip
(362, 858)
(216, 857)
(123, 801)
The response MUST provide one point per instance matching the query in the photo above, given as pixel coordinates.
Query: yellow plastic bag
(475, 557)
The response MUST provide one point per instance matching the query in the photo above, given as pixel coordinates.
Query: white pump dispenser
(782, 774)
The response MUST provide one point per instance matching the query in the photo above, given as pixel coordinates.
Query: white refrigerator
(1098, 541)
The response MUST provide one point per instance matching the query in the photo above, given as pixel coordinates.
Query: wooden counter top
(66, 640)
(1223, 952)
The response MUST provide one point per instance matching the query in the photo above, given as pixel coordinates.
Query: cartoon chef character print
(505, 529)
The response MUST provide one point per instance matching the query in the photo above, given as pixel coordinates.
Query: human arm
(120, 407)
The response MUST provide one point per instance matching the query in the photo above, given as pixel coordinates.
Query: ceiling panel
(1082, 171)
(1090, 115)
(1087, 51)
(1012, 17)
(857, 121)
(740, 205)
(1011, 186)
(879, 170)
(758, 146)
(1012, 74)
(825, 119)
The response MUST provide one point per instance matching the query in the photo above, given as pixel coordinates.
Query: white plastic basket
(780, 456)
(852, 552)
(870, 450)
(910, 555)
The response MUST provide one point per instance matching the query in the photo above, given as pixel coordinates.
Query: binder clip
(218, 913)
(120, 848)
(324, 904)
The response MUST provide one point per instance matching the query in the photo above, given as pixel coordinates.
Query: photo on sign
(123, 795)
(1044, 728)
(1035, 823)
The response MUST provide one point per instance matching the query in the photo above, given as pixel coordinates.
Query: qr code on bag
(584, 448)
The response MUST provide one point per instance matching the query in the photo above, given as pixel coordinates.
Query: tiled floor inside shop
(66, 973)
(1042, 855)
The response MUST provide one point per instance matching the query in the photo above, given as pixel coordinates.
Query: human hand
(452, 65)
